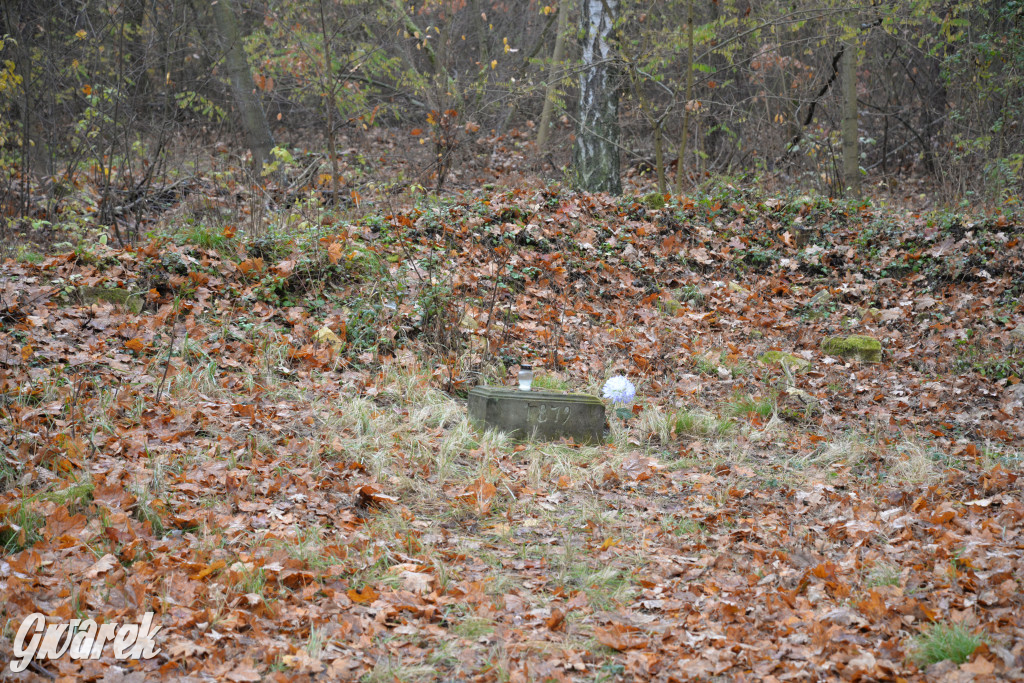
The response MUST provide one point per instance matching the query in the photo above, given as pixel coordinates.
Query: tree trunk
(659, 155)
(933, 109)
(596, 155)
(556, 66)
(330, 102)
(254, 121)
(851, 155)
(680, 166)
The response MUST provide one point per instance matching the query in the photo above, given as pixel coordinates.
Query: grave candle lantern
(525, 377)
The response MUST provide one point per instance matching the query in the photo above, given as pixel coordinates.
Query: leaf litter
(294, 505)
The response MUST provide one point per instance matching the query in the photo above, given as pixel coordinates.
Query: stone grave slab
(540, 415)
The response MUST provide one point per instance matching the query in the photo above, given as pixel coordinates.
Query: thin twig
(167, 364)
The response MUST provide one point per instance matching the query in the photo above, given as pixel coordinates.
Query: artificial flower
(619, 390)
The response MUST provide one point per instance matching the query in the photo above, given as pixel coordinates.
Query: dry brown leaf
(480, 494)
(364, 596)
(101, 566)
(417, 582)
(334, 253)
(244, 672)
(979, 667)
(370, 495)
(620, 636)
(556, 622)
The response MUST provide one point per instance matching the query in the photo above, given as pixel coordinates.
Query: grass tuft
(548, 382)
(19, 529)
(883, 574)
(699, 424)
(744, 406)
(941, 641)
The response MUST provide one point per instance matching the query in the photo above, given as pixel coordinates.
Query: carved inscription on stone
(543, 413)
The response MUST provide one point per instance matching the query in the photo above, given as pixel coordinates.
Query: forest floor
(179, 435)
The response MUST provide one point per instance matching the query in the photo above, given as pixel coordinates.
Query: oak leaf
(334, 253)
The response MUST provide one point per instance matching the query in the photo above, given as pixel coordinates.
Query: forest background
(253, 256)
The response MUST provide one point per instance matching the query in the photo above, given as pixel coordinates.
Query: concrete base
(540, 415)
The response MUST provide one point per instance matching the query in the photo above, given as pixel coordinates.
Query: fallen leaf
(101, 566)
(979, 667)
(370, 495)
(480, 493)
(620, 636)
(244, 673)
(417, 582)
(334, 252)
(364, 596)
(556, 622)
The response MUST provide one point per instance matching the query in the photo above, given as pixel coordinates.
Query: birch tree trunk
(596, 155)
(851, 155)
(254, 121)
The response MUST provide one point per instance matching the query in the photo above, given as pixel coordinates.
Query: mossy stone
(820, 299)
(861, 347)
(117, 296)
(781, 357)
(654, 200)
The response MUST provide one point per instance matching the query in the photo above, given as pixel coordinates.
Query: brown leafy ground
(291, 509)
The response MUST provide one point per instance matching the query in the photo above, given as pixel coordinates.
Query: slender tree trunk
(933, 106)
(680, 166)
(137, 48)
(254, 121)
(330, 104)
(659, 155)
(597, 140)
(851, 155)
(23, 60)
(553, 71)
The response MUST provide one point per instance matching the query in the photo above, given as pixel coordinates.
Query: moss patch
(861, 347)
(782, 358)
(795, 363)
(116, 296)
(654, 200)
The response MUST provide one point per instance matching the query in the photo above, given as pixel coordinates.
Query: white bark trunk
(597, 139)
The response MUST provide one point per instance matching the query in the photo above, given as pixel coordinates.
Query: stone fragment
(819, 299)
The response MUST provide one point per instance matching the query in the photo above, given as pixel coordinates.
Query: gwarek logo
(82, 639)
